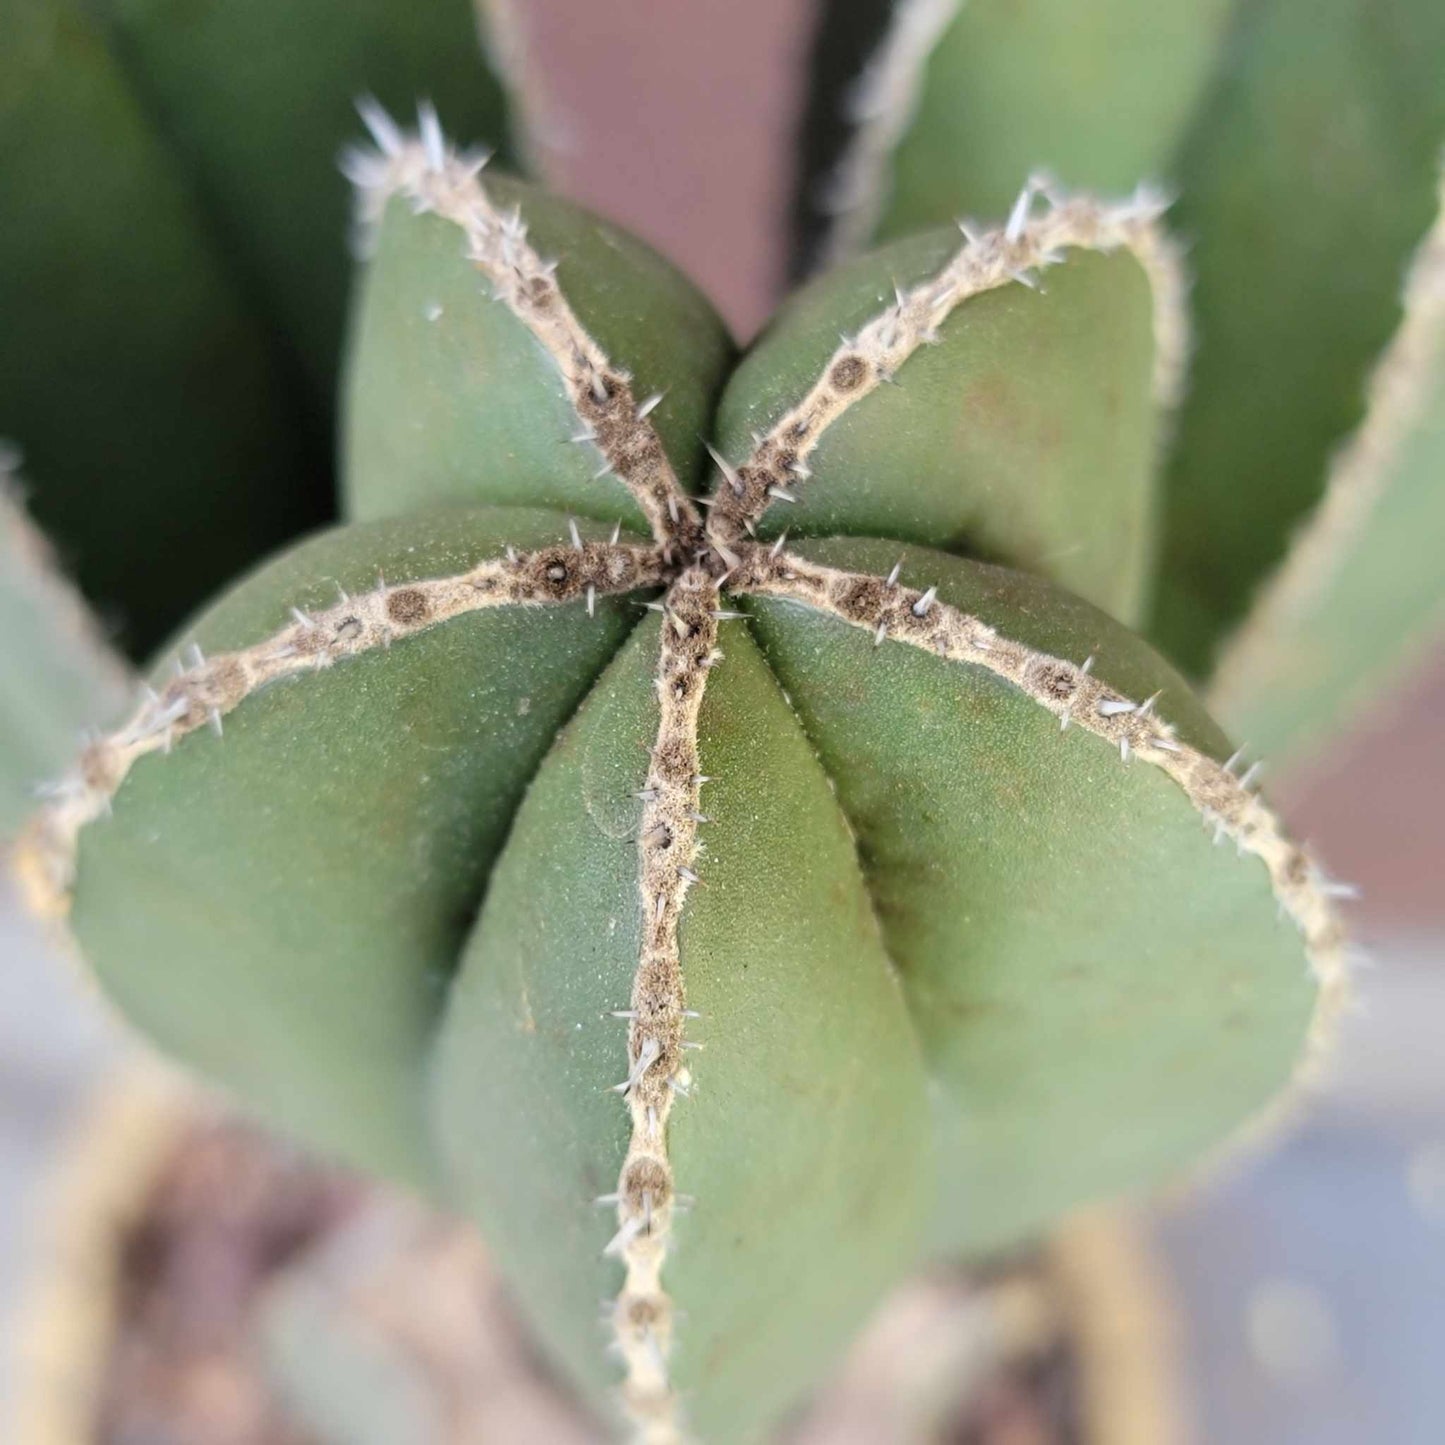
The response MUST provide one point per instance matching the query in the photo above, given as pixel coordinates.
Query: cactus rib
(881, 106)
(1225, 802)
(1398, 395)
(983, 263)
(425, 171)
(204, 692)
(657, 1071)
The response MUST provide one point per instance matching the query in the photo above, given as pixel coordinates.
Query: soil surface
(235, 1220)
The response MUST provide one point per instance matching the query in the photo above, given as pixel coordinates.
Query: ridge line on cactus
(432, 176)
(1398, 394)
(1225, 802)
(642, 1316)
(881, 103)
(206, 689)
(985, 262)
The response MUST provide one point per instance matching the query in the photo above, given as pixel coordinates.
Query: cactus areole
(735, 874)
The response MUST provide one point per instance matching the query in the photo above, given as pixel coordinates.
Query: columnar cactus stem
(985, 262)
(205, 690)
(432, 177)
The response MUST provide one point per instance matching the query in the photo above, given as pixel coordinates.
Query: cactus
(173, 303)
(715, 823)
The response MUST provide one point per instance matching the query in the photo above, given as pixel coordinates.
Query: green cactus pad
(1027, 434)
(1097, 95)
(1306, 183)
(310, 875)
(153, 419)
(450, 397)
(260, 138)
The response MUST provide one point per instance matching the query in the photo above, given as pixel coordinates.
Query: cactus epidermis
(846, 905)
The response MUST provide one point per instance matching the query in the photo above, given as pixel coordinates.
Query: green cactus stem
(1307, 181)
(694, 908)
(174, 296)
(1359, 593)
(922, 109)
(259, 141)
(146, 397)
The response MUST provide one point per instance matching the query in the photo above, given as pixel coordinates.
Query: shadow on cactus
(735, 874)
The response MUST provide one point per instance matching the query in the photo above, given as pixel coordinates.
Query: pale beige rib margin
(889, 610)
(1398, 393)
(642, 1315)
(778, 463)
(881, 106)
(205, 689)
(429, 175)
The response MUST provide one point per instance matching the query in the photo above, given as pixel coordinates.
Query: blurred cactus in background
(173, 273)
(737, 829)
